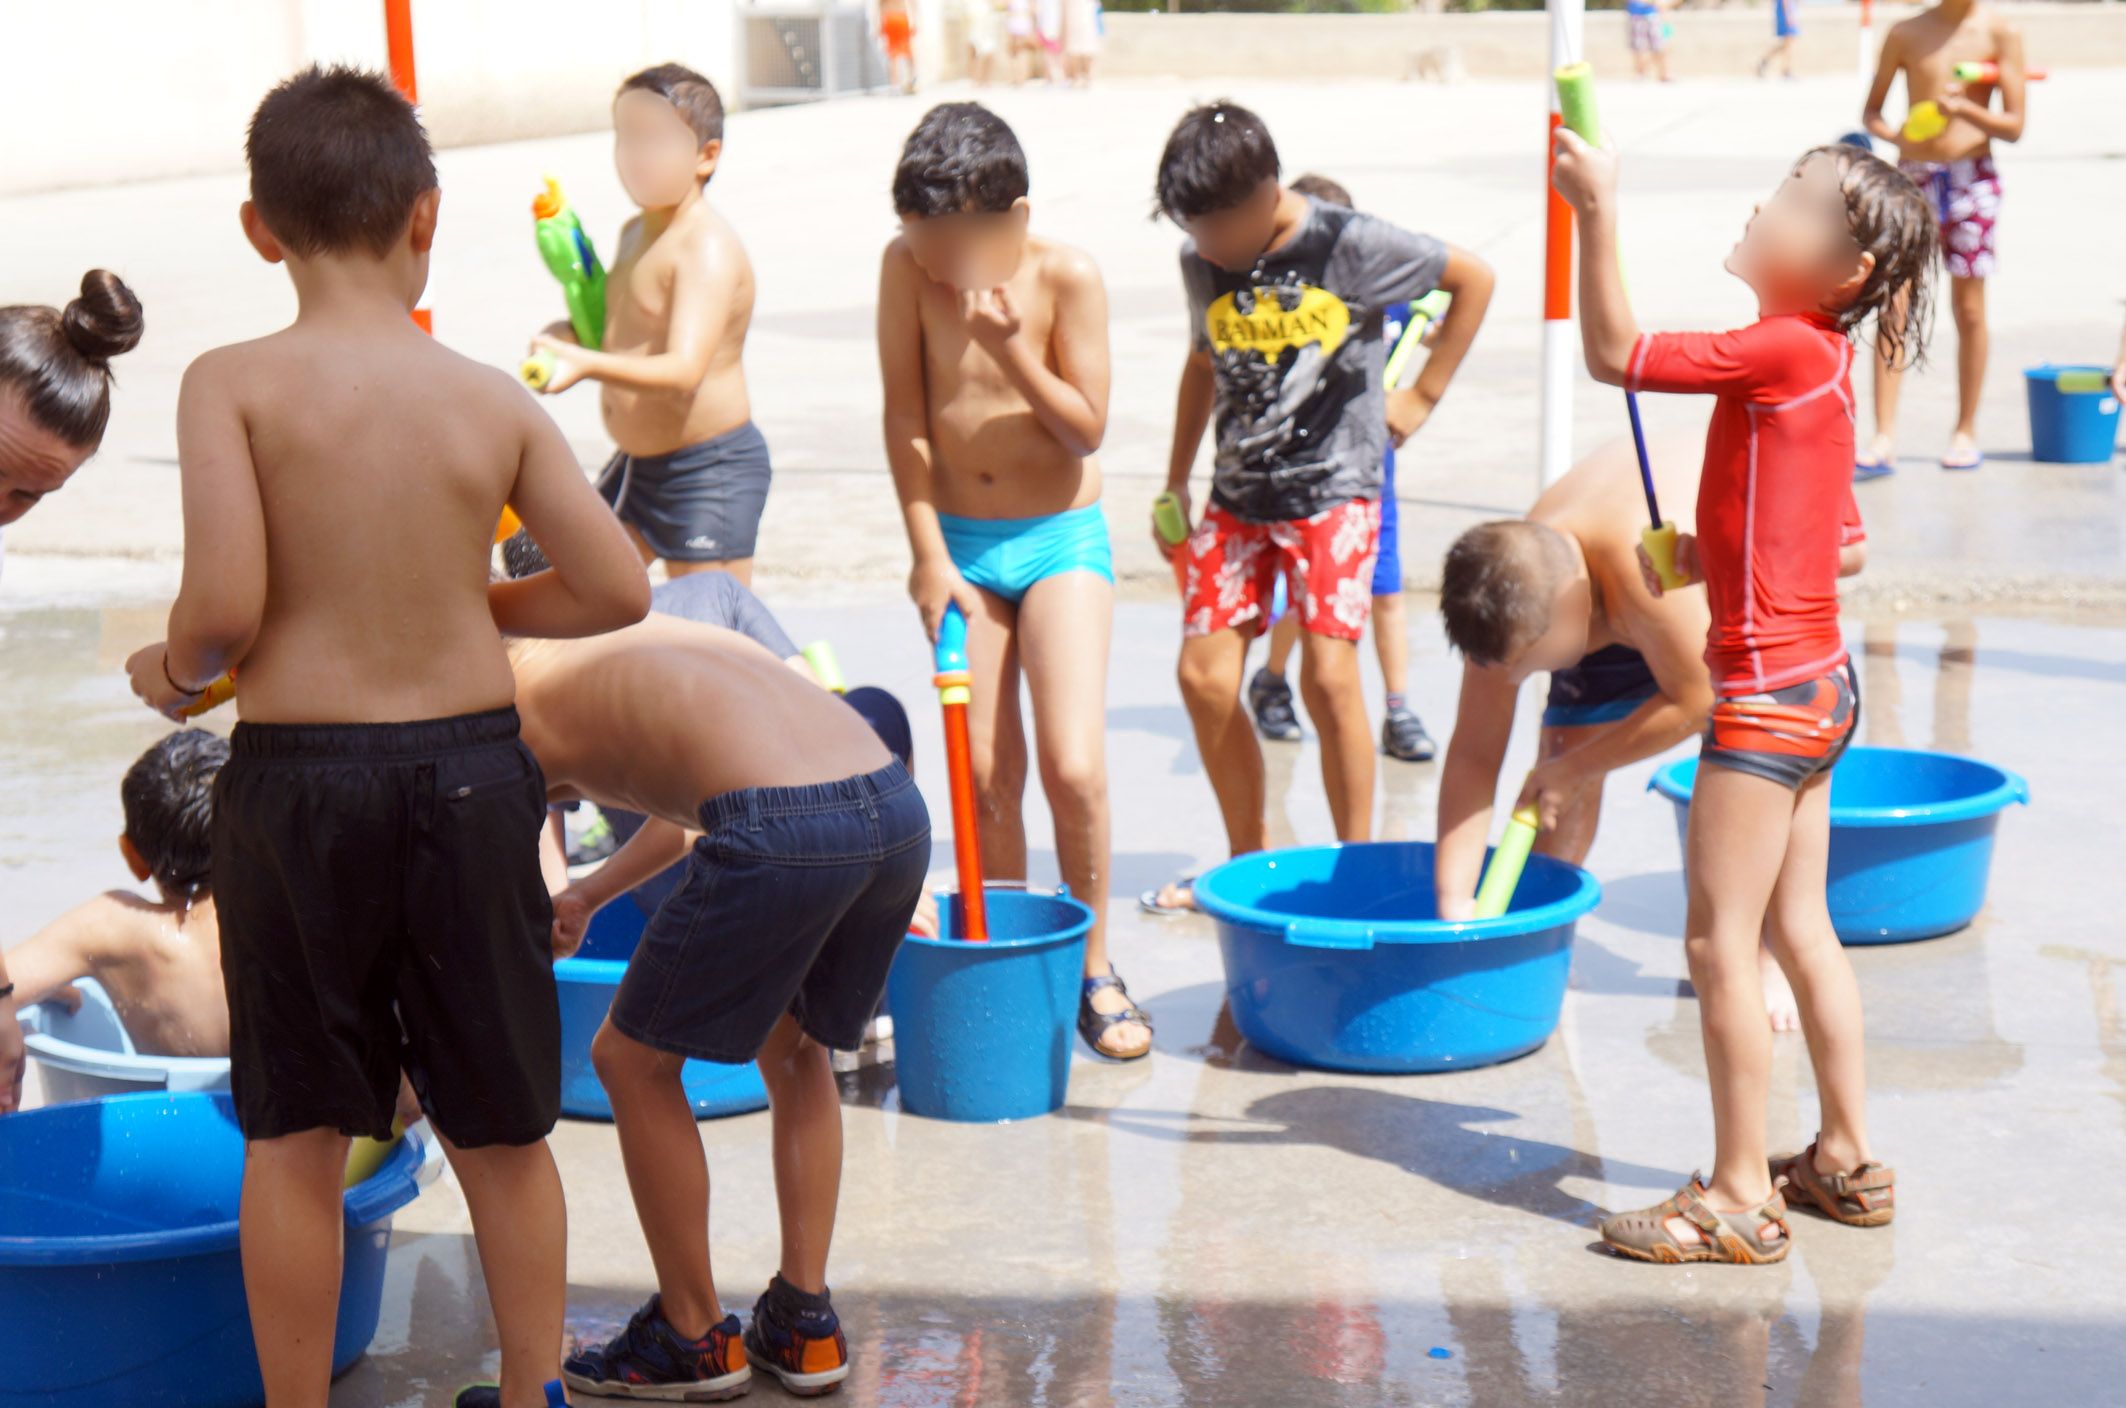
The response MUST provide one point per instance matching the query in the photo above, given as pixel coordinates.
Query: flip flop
(1865, 470)
(1149, 900)
(1949, 461)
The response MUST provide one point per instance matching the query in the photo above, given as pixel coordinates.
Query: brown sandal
(1864, 1197)
(1734, 1238)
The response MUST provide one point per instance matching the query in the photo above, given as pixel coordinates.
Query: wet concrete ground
(1214, 1228)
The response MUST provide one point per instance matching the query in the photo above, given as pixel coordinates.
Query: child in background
(1843, 239)
(1785, 30)
(1955, 169)
(1402, 732)
(1646, 30)
(376, 827)
(690, 475)
(993, 346)
(811, 844)
(160, 959)
(896, 34)
(1285, 306)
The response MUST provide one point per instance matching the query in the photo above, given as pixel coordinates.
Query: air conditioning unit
(803, 53)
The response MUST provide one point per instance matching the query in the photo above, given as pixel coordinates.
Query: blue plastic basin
(587, 983)
(85, 1054)
(1334, 958)
(119, 1274)
(982, 1032)
(2070, 427)
(1911, 838)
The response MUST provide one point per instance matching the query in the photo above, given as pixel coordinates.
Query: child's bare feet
(1779, 1004)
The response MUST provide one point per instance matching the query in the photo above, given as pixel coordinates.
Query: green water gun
(574, 264)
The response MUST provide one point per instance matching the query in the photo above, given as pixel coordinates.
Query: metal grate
(802, 53)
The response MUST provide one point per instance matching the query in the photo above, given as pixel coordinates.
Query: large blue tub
(119, 1276)
(1911, 838)
(982, 1032)
(1334, 958)
(587, 983)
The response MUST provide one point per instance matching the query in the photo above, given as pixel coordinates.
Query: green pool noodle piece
(1576, 101)
(1503, 876)
(821, 657)
(1167, 518)
(2082, 382)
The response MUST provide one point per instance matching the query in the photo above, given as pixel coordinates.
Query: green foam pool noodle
(1576, 101)
(820, 656)
(1503, 876)
(572, 261)
(2082, 382)
(1168, 519)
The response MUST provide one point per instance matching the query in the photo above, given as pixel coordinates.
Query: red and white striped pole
(1560, 350)
(398, 45)
(1867, 44)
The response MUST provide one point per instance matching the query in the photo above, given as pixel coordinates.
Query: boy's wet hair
(1321, 188)
(58, 360)
(1892, 219)
(695, 98)
(1217, 157)
(168, 796)
(961, 159)
(338, 159)
(521, 556)
(1497, 587)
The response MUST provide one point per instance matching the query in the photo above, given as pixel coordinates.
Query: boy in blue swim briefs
(993, 348)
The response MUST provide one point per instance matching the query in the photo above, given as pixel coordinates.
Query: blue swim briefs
(1008, 555)
(1604, 687)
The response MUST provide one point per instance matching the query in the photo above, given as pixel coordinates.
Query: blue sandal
(1094, 1025)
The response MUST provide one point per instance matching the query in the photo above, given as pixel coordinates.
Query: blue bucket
(2070, 427)
(982, 1032)
(1334, 958)
(118, 1263)
(1911, 838)
(86, 1054)
(586, 983)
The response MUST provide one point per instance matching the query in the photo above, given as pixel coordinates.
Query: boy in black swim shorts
(806, 846)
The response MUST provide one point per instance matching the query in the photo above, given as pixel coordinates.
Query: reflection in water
(2110, 1019)
(1882, 693)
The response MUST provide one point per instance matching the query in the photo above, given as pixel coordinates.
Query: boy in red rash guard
(1845, 237)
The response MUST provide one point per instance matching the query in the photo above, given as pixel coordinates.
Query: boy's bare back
(160, 963)
(990, 454)
(690, 282)
(1927, 47)
(382, 462)
(663, 715)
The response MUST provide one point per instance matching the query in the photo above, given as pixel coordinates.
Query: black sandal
(1093, 1024)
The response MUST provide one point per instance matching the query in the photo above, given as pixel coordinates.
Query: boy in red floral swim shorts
(1954, 167)
(1285, 301)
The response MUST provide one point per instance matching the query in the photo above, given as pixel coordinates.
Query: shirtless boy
(690, 473)
(811, 852)
(376, 825)
(1956, 171)
(159, 959)
(993, 346)
(1561, 591)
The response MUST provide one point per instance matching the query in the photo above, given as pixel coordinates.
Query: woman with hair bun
(55, 386)
(55, 399)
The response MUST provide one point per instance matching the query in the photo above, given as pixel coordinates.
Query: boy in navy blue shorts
(809, 844)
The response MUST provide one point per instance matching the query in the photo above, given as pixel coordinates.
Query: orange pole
(1557, 240)
(966, 828)
(398, 46)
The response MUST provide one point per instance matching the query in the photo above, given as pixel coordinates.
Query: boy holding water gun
(1946, 147)
(1844, 238)
(1560, 591)
(689, 476)
(1402, 733)
(376, 826)
(805, 844)
(1285, 298)
(993, 347)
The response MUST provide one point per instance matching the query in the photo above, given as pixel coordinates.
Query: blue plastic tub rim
(1314, 931)
(395, 1184)
(1082, 925)
(2010, 790)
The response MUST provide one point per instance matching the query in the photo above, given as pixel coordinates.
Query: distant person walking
(1082, 24)
(1786, 28)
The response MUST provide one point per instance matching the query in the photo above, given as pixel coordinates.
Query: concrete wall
(1515, 44)
(99, 91)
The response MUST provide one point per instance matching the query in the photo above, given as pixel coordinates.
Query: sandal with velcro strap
(1862, 1197)
(1731, 1238)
